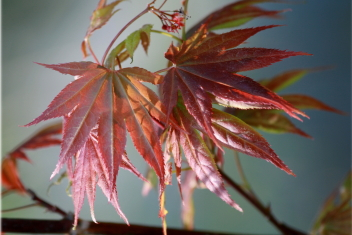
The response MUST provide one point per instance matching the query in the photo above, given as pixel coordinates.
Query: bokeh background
(51, 32)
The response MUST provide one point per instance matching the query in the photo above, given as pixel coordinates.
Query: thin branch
(20, 208)
(47, 205)
(257, 204)
(162, 4)
(6, 192)
(88, 227)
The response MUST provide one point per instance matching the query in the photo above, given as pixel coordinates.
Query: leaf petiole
(163, 70)
(167, 34)
(91, 50)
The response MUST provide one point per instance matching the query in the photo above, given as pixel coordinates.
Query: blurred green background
(51, 32)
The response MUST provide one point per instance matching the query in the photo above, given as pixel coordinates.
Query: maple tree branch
(286, 230)
(88, 227)
(47, 205)
(121, 31)
(6, 192)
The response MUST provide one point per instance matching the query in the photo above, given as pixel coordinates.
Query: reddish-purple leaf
(307, 102)
(201, 160)
(72, 68)
(284, 80)
(172, 148)
(271, 121)
(235, 134)
(207, 64)
(100, 106)
(104, 180)
(80, 178)
(9, 175)
(44, 138)
(235, 14)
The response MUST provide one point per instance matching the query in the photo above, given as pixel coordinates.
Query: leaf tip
(237, 207)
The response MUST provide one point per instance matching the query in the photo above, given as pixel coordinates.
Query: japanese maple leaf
(274, 121)
(230, 132)
(204, 70)
(91, 164)
(235, 14)
(44, 138)
(110, 103)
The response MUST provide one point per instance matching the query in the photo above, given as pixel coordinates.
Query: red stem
(91, 51)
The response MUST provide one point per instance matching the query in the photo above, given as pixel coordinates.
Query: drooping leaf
(200, 159)
(205, 65)
(308, 102)
(109, 103)
(284, 80)
(274, 121)
(45, 137)
(127, 47)
(271, 121)
(235, 14)
(335, 215)
(9, 175)
(237, 135)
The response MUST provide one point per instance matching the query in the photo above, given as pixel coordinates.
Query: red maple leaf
(274, 121)
(204, 70)
(44, 138)
(105, 104)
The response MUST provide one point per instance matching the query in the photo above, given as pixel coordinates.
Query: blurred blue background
(51, 32)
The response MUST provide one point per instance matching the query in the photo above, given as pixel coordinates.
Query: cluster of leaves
(335, 216)
(103, 103)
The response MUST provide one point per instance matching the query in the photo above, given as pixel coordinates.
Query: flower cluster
(171, 22)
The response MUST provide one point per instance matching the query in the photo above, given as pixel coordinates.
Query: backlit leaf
(235, 14)
(9, 175)
(127, 47)
(207, 64)
(284, 80)
(237, 135)
(45, 137)
(271, 121)
(308, 102)
(106, 104)
(201, 160)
